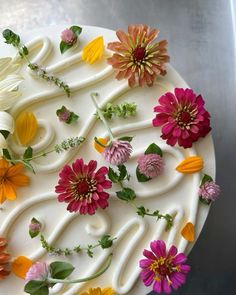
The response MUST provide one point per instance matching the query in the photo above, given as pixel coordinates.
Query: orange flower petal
(4, 164)
(19, 180)
(98, 147)
(15, 169)
(26, 127)
(188, 232)
(3, 244)
(20, 266)
(190, 165)
(8, 190)
(4, 258)
(2, 196)
(3, 273)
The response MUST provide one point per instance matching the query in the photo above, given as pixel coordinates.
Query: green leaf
(64, 47)
(61, 270)
(123, 172)
(34, 233)
(126, 138)
(204, 201)
(28, 154)
(6, 154)
(28, 165)
(76, 30)
(113, 176)
(141, 177)
(11, 37)
(153, 149)
(105, 242)
(73, 118)
(205, 179)
(141, 211)
(127, 194)
(36, 288)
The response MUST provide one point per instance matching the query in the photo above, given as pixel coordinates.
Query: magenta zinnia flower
(118, 152)
(165, 270)
(209, 191)
(39, 271)
(82, 187)
(151, 165)
(183, 117)
(137, 56)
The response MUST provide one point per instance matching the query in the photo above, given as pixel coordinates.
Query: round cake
(105, 171)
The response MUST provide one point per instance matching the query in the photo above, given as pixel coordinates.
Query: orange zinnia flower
(4, 260)
(10, 178)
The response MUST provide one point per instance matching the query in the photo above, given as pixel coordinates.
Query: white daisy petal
(8, 99)
(10, 83)
(6, 122)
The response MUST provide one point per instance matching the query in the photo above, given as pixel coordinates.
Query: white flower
(9, 83)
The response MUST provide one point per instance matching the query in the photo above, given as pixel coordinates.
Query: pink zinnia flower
(151, 165)
(183, 117)
(209, 191)
(165, 270)
(68, 36)
(38, 271)
(82, 187)
(137, 57)
(118, 152)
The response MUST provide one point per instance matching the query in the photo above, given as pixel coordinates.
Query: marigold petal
(2, 196)
(21, 265)
(9, 190)
(108, 291)
(26, 127)
(93, 51)
(14, 170)
(190, 165)
(98, 147)
(19, 180)
(4, 164)
(188, 232)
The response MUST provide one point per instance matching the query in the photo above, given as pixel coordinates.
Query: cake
(45, 116)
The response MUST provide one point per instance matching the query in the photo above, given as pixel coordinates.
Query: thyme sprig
(105, 242)
(14, 39)
(28, 156)
(128, 195)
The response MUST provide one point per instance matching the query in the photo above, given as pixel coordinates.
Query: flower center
(82, 187)
(185, 117)
(139, 53)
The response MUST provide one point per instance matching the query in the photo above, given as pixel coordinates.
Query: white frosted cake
(173, 192)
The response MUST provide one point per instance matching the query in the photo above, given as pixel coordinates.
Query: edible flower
(69, 37)
(94, 50)
(83, 187)
(182, 116)
(11, 177)
(117, 152)
(137, 56)
(163, 269)
(99, 291)
(151, 165)
(4, 259)
(209, 191)
(190, 165)
(26, 127)
(20, 266)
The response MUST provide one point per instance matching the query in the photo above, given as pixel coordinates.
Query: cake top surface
(113, 149)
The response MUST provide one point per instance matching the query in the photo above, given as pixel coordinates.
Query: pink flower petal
(179, 259)
(157, 287)
(158, 248)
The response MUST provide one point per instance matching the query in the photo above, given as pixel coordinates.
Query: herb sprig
(14, 39)
(124, 110)
(105, 242)
(128, 195)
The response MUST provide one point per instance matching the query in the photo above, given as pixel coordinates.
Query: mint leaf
(76, 30)
(126, 138)
(127, 194)
(61, 270)
(141, 177)
(106, 242)
(113, 176)
(64, 47)
(123, 172)
(28, 154)
(36, 288)
(205, 179)
(73, 118)
(153, 149)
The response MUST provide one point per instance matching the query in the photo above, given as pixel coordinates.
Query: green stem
(94, 99)
(99, 273)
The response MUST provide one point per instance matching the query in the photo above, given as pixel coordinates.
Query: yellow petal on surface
(98, 147)
(26, 127)
(190, 165)
(108, 291)
(94, 50)
(188, 232)
(20, 266)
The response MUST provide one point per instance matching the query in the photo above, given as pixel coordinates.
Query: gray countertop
(202, 44)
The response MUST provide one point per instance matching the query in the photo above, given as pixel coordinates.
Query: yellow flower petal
(188, 232)
(99, 291)
(20, 266)
(190, 165)
(26, 127)
(93, 51)
(98, 147)
(108, 291)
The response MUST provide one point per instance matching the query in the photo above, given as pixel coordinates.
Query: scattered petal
(188, 232)
(26, 127)
(20, 266)
(190, 165)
